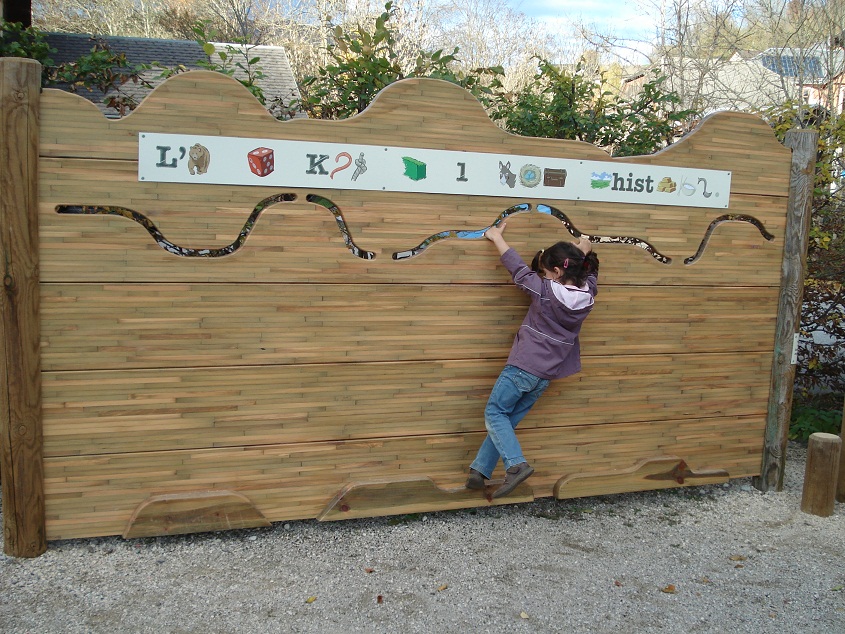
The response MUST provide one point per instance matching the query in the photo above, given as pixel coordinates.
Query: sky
(623, 17)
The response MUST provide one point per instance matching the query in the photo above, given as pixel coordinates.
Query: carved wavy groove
(642, 244)
(543, 209)
(187, 252)
(727, 218)
(175, 249)
(461, 234)
(344, 230)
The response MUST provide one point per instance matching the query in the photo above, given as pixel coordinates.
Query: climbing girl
(561, 282)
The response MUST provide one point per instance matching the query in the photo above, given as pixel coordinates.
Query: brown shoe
(514, 476)
(476, 480)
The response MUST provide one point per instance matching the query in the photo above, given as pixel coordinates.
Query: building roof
(277, 82)
(792, 65)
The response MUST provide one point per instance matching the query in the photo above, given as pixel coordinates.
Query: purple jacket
(546, 344)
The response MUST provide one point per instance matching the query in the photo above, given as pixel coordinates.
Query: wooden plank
(96, 495)
(122, 326)
(302, 243)
(110, 412)
(20, 384)
(414, 113)
(203, 217)
(195, 512)
(804, 144)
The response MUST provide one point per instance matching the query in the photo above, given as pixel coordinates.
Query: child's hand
(495, 232)
(584, 244)
(494, 235)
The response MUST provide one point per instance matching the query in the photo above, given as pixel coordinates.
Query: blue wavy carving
(523, 208)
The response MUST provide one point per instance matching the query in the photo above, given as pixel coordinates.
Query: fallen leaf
(443, 587)
(310, 599)
(617, 583)
(739, 566)
(670, 589)
(523, 615)
(737, 558)
(838, 589)
(369, 570)
(379, 599)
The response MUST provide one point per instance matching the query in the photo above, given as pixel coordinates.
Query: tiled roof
(278, 80)
(793, 66)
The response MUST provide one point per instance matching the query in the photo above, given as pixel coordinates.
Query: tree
(490, 33)
(575, 105)
(100, 69)
(19, 41)
(361, 63)
(99, 17)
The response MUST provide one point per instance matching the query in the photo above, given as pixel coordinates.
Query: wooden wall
(291, 371)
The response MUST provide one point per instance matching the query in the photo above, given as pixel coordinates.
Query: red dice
(261, 161)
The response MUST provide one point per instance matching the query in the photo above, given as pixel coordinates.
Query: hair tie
(586, 263)
(566, 263)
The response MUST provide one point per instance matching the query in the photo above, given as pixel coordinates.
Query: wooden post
(820, 474)
(840, 487)
(21, 467)
(804, 145)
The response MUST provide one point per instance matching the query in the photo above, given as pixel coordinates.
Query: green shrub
(810, 418)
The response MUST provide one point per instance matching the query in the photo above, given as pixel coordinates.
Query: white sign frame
(220, 160)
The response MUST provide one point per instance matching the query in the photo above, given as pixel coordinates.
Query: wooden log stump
(817, 497)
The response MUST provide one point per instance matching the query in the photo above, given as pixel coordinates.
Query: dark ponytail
(591, 263)
(569, 259)
(536, 263)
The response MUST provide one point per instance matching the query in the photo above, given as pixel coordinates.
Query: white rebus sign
(217, 160)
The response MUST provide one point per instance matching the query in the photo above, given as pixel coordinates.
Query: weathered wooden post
(804, 145)
(840, 487)
(21, 466)
(819, 490)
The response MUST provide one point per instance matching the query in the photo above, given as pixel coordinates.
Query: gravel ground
(702, 559)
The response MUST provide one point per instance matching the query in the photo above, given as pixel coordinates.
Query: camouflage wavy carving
(470, 234)
(727, 218)
(344, 230)
(175, 249)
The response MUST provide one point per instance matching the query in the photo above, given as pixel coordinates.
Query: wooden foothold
(193, 512)
(819, 493)
(415, 495)
(662, 472)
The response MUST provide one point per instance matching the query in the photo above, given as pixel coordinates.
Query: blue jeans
(513, 395)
